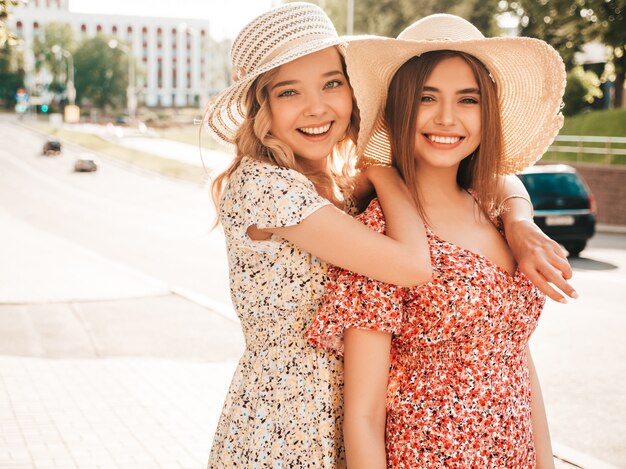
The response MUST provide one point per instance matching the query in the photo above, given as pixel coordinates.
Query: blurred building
(181, 63)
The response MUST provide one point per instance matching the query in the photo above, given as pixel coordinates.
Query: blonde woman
(282, 205)
(440, 374)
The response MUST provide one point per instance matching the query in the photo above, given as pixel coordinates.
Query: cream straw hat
(529, 75)
(274, 38)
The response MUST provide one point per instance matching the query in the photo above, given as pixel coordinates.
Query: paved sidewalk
(109, 413)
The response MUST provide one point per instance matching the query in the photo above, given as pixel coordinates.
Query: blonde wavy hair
(254, 140)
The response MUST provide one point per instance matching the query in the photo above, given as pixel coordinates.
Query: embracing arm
(541, 433)
(366, 373)
(540, 258)
(400, 258)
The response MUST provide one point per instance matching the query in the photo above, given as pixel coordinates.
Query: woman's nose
(445, 114)
(315, 105)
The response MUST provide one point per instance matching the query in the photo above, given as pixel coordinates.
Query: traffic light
(44, 108)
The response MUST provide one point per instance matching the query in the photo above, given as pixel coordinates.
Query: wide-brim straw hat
(276, 37)
(529, 75)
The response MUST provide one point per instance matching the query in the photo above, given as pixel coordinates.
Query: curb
(578, 459)
(218, 307)
(616, 229)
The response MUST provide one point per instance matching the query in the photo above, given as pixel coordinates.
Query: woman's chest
(470, 298)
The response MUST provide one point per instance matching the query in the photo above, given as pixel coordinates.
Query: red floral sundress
(459, 388)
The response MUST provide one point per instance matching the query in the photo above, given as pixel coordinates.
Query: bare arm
(540, 258)
(400, 258)
(541, 433)
(366, 373)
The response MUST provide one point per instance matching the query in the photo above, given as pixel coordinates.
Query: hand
(541, 259)
(365, 183)
(380, 174)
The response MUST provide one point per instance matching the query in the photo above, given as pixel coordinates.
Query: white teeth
(315, 130)
(439, 139)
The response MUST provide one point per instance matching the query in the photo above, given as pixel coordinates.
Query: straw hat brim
(529, 74)
(226, 112)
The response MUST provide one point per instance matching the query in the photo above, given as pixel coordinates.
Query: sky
(226, 17)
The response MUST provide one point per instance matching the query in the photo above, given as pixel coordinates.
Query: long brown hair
(478, 171)
(254, 140)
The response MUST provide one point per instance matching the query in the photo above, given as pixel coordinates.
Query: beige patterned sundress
(284, 405)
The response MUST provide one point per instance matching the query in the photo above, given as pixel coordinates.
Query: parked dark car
(565, 208)
(51, 147)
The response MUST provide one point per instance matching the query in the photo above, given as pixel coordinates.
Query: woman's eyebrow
(285, 83)
(293, 82)
(463, 91)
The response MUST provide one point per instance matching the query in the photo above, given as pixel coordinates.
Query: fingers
(563, 285)
(559, 261)
(546, 276)
(542, 284)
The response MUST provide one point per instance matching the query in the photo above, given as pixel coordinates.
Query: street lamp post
(203, 82)
(71, 89)
(131, 97)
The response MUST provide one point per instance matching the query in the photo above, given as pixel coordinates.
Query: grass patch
(561, 157)
(606, 123)
(609, 122)
(165, 166)
(190, 134)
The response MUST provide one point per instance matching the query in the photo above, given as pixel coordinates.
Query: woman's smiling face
(311, 104)
(448, 126)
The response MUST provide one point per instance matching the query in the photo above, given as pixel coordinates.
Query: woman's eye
(286, 93)
(333, 84)
(427, 99)
(469, 101)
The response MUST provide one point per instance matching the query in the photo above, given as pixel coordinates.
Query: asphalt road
(150, 241)
(154, 225)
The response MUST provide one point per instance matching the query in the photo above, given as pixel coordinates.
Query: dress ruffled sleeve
(274, 197)
(354, 301)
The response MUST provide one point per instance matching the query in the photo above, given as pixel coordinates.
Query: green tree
(582, 88)
(608, 25)
(11, 74)
(54, 34)
(6, 36)
(101, 73)
(568, 25)
(390, 17)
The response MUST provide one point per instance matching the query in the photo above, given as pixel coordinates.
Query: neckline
(475, 254)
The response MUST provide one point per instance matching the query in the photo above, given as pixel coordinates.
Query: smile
(442, 139)
(315, 130)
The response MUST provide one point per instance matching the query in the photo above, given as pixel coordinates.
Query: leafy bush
(581, 89)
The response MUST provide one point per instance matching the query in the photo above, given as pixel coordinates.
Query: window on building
(114, 30)
(99, 28)
(83, 28)
(159, 72)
